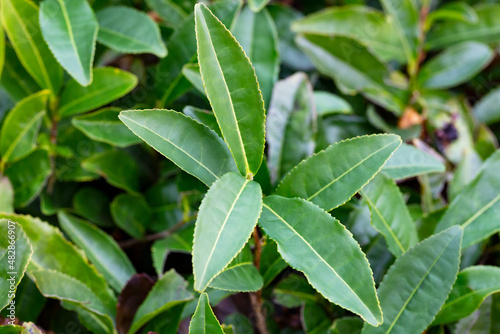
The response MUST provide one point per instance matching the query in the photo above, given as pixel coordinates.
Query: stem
(256, 297)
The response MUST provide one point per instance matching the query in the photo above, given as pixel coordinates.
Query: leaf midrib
(22, 134)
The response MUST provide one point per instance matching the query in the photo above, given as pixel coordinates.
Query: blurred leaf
(132, 214)
(93, 204)
(389, 214)
(104, 125)
(168, 291)
(477, 205)
(486, 110)
(465, 172)
(181, 241)
(15, 80)
(205, 117)
(189, 144)
(70, 29)
(232, 89)
(336, 181)
(314, 319)
(257, 5)
(108, 84)
(293, 224)
(271, 262)
(226, 219)
(290, 125)
(170, 11)
(204, 320)
(20, 20)
(327, 103)
(117, 167)
(293, 291)
(471, 288)
(428, 269)
(140, 35)
(455, 65)
(6, 195)
(15, 254)
(101, 249)
(409, 161)
(192, 72)
(28, 176)
(346, 325)
(453, 11)
(20, 127)
(258, 36)
(477, 323)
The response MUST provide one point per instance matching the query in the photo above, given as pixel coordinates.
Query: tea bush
(271, 167)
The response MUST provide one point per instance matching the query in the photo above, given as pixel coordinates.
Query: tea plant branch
(256, 297)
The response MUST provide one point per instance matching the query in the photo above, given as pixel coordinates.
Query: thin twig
(256, 297)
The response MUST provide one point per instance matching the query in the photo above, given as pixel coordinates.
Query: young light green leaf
(20, 20)
(232, 89)
(486, 110)
(257, 35)
(55, 284)
(132, 214)
(328, 103)
(452, 32)
(140, 35)
(428, 269)
(257, 5)
(104, 126)
(456, 10)
(477, 205)
(408, 161)
(51, 251)
(405, 18)
(389, 214)
(28, 176)
(12, 237)
(117, 167)
(20, 127)
(6, 195)
(328, 181)
(240, 275)
(189, 144)
(168, 291)
(379, 35)
(204, 320)
(70, 29)
(101, 249)
(108, 84)
(455, 65)
(471, 288)
(353, 67)
(294, 225)
(226, 219)
(291, 125)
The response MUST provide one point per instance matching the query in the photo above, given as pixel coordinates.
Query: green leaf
(2, 49)
(205, 117)
(170, 11)
(20, 20)
(108, 84)
(101, 249)
(379, 35)
(28, 176)
(55, 284)
(13, 329)
(471, 288)
(20, 127)
(314, 318)
(117, 167)
(190, 145)
(6, 195)
(389, 214)
(476, 207)
(13, 245)
(486, 110)
(258, 37)
(15, 80)
(294, 225)
(479, 322)
(291, 123)
(405, 18)
(257, 5)
(293, 291)
(240, 275)
(271, 262)
(464, 173)
(93, 205)
(420, 279)
(457, 10)
(226, 219)
(328, 181)
(181, 241)
(192, 73)
(455, 65)
(232, 89)
(131, 213)
(51, 251)
(168, 291)
(204, 320)
(70, 29)
(353, 67)
(346, 325)
(408, 161)
(104, 126)
(328, 103)
(452, 32)
(140, 35)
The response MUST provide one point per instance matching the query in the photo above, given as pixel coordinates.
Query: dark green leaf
(131, 213)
